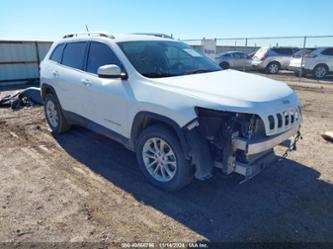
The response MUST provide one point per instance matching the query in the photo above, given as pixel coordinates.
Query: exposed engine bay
(219, 129)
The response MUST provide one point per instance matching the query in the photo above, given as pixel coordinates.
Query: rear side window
(74, 54)
(57, 53)
(328, 51)
(283, 51)
(100, 55)
(239, 55)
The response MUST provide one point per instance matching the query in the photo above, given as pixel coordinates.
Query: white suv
(272, 60)
(318, 63)
(175, 108)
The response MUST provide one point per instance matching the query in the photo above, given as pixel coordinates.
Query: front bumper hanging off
(250, 147)
(264, 147)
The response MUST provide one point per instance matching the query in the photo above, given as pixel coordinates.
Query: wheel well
(144, 120)
(321, 64)
(224, 63)
(46, 89)
(274, 62)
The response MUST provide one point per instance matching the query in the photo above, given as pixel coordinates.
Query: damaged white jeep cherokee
(175, 108)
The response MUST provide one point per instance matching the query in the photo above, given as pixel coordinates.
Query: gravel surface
(80, 186)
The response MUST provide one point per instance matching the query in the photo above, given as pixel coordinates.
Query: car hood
(229, 84)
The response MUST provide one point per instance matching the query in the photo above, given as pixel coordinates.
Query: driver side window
(100, 55)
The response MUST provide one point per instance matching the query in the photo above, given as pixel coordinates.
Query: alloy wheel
(320, 72)
(159, 159)
(273, 68)
(52, 113)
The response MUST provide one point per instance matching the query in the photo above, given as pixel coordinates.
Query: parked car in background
(295, 62)
(272, 60)
(318, 63)
(235, 60)
(302, 52)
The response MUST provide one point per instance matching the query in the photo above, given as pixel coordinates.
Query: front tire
(161, 159)
(224, 65)
(54, 115)
(320, 71)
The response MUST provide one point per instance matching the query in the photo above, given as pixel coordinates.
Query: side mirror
(111, 71)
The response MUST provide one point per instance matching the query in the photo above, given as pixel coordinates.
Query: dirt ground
(83, 187)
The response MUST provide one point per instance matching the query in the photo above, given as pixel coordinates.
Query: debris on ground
(328, 136)
(27, 97)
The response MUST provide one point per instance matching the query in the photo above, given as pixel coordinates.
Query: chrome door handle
(86, 82)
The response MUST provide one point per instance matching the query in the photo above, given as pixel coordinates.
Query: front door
(106, 100)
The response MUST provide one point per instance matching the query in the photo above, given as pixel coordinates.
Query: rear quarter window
(57, 53)
(328, 51)
(74, 54)
(283, 51)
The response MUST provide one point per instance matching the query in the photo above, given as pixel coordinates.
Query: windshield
(157, 59)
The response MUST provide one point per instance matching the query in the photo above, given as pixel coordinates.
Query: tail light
(264, 57)
(310, 56)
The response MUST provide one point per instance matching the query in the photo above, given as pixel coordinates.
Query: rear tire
(273, 68)
(54, 115)
(320, 71)
(161, 159)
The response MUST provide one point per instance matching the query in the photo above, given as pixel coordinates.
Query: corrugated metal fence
(19, 61)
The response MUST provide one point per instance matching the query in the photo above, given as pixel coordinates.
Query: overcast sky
(49, 20)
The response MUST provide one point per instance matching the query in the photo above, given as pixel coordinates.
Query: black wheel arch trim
(43, 93)
(44, 87)
(136, 129)
(322, 64)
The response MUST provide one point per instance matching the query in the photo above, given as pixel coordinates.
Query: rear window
(302, 52)
(57, 53)
(74, 54)
(260, 53)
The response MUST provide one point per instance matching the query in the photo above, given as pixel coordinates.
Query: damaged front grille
(284, 120)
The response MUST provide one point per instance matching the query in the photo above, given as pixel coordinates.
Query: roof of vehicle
(232, 52)
(320, 48)
(154, 34)
(118, 38)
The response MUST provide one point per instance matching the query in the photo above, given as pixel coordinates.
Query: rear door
(51, 70)
(284, 56)
(241, 61)
(70, 86)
